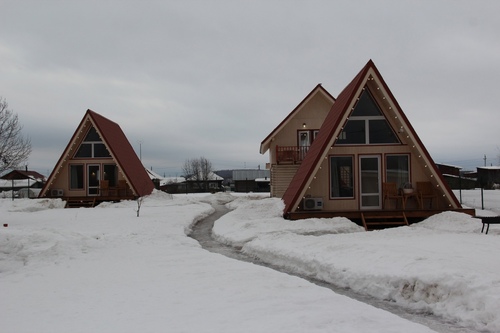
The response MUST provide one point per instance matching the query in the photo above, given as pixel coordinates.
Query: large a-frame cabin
(362, 161)
(98, 164)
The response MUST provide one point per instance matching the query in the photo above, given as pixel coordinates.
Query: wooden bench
(489, 220)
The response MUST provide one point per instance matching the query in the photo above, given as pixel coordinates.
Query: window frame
(92, 144)
(362, 123)
(78, 175)
(337, 174)
(390, 178)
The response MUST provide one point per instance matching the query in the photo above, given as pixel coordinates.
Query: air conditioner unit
(313, 203)
(56, 192)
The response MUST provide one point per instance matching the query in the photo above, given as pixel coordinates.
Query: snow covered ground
(443, 265)
(106, 270)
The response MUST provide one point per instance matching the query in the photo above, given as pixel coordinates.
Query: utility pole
(140, 150)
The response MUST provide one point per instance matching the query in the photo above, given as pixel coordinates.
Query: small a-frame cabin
(365, 161)
(98, 164)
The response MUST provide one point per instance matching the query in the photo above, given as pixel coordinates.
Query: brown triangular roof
(264, 146)
(119, 148)
(330, 130)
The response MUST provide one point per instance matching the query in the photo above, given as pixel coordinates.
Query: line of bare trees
(198, 170)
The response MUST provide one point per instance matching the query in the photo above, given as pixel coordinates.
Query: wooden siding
(281, 176)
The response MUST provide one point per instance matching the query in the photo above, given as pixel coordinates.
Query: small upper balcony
(291, 154)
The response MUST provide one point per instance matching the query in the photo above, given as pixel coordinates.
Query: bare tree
(198, 170)
(140, 200)
(205, 168)
(14, 148)
(191, 169)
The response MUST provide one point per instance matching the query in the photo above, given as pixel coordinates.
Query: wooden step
(77, 203)
(380, 220)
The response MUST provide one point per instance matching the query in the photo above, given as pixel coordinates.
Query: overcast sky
(186, 79)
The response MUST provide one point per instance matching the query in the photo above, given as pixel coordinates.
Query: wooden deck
(92, 201)
(377, 219)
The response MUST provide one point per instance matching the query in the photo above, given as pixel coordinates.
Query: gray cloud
(213, 78)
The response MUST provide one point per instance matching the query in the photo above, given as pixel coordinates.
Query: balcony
(290, 154)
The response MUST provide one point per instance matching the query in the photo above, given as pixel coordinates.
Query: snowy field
(106, 270)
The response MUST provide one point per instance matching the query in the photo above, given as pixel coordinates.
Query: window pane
(381, 132)
(111, 174)
(76, 177)
(92, 135)
(397, 169)
(369, 175)
(366, 106)
(341, 177)
(370, 201)
(353, 133)
(100, 150)
(94, 176)
(85, 150)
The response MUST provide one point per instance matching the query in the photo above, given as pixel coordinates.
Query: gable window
(397, 169)
(92, 146)
(76, 176)
(367, 124)
(341, 177)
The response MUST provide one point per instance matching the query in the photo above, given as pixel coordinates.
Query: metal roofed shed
(251, 180)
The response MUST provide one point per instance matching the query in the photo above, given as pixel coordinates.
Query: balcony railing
(290, 154)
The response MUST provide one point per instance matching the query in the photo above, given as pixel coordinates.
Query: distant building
(453, 176)
(28, 182)
(251, 180)
(488, 177)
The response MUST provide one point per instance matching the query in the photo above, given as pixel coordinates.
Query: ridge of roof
(317, 88)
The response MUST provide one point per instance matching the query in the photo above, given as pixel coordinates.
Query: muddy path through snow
(202, 232)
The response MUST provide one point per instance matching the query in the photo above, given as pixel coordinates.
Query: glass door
(304, 143)
(93, 178)
(369, 182)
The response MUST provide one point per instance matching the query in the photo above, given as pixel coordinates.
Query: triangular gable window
(367, 124)
(92, 146)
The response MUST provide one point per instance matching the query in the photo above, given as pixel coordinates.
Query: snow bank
(443, 265)
(31, 205)
(451, 222)
(252, 217)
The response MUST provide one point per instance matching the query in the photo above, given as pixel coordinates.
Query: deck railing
(290, 154)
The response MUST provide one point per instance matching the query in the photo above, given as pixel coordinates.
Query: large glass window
(367, 124)
(111, 174)
(381, 132)
(341, 175)
(397, 169)
(76, 176)
(85, 150)
(353, 133)
(100, 150)
(92, 146)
